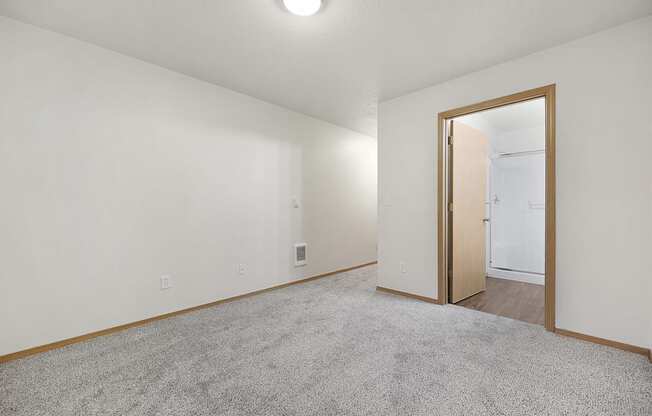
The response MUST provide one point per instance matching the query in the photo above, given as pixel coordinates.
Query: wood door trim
(547, 92)
(89, 336)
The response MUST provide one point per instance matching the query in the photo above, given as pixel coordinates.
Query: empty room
(325, 207)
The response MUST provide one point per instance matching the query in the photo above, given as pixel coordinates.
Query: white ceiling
(509, 118)
(336, 65)
(512, 128)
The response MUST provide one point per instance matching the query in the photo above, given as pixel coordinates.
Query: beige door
(469, 160)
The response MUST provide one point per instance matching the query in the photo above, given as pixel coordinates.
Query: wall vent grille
(300, 254)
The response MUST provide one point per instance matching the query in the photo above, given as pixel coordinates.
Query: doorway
(496, 209)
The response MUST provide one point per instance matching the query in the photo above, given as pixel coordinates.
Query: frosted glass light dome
(302, 7)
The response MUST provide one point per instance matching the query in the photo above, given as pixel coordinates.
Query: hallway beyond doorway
(511, 299)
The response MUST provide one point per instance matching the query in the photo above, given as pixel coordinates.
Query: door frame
(443, 181)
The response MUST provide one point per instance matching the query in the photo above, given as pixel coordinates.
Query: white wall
(114, 172)
(604, 191)
(521, 140)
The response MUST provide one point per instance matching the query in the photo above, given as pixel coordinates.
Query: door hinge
(450, 140)
(450, 206)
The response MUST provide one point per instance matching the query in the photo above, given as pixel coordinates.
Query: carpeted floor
(330, 347)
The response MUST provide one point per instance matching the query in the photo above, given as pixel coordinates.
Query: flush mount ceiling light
(302, 7)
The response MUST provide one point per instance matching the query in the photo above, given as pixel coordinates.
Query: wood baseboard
(409, 295)
(91, 335)
(615, 344)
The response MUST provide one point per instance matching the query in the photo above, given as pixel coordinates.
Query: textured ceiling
(335, 65)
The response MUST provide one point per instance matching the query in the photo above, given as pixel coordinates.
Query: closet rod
(523, 153)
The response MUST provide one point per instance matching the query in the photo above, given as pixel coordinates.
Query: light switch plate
(166, 282)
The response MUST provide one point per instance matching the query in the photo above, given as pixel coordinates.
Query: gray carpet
(330, 347)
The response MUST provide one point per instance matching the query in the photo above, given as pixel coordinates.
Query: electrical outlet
(403, 267)
(166, 282)
(241, 269)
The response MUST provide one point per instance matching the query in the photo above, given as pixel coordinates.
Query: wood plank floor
(516, 300)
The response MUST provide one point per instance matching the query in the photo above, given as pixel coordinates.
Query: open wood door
(468, 189)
